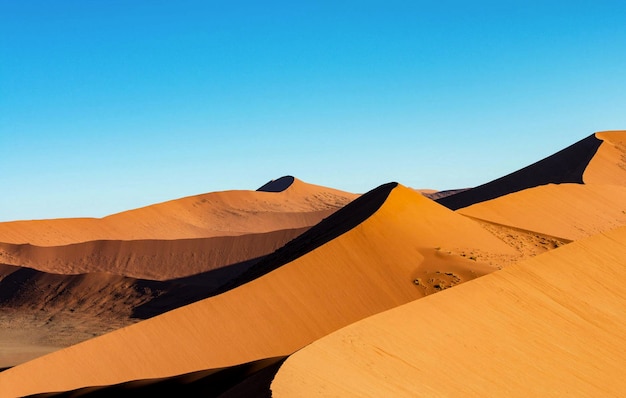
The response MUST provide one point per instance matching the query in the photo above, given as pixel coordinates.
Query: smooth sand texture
(551, 326)
(567, 211)
(608, 166)
(227, 213)
(147, 259)
(369, 269)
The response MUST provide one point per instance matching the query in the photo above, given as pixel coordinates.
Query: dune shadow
(187, 290)
(250, 379)
(278, 185)
(183, 291)
(338, 223)
(565, 166)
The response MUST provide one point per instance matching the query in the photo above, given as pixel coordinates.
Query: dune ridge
(565, 210)
(608, 166)
(552, 325)
(366, 270)
(565, 166)
(225, 213)
(71, 288)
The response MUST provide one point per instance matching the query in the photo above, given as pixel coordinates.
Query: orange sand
(147, 259)
(608, 166)
(227, 213)
(567, 211)
(369, 269)
(551, 326)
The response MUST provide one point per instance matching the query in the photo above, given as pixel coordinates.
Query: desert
(296, 289)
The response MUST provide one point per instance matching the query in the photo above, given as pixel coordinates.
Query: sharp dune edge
(568, 211)
(364, 265)
(597, 159)
(551, 326)
(369, 269)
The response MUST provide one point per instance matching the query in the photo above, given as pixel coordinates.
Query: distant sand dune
(227, 213)
(366, 270)
(551, 326)
(565, 166)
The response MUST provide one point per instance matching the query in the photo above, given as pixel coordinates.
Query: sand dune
(608, 166)
(368, 269)
(227, 213)
(147, 259)
(567, 211)
(71, 288)
(342, 263)
(565, 166)
(551, 326)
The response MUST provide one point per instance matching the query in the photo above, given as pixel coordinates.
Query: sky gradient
(111, 105)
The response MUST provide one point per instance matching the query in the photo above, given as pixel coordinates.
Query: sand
(608, 166)
(369, 269)
(148, 259)
(67, 288)
(551, 326)
(352, 260)
(227, 213)
(566, 211)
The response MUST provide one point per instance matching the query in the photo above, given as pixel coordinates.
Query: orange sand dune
(565, 166)
(227, 213)
(597, 159)
(369, 269)
(147, 259)
(608, 166)
(568, 211)
(551, 326)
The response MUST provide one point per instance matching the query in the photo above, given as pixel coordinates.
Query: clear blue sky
(108, 105)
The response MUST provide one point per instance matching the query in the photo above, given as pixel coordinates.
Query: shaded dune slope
(278, 185)
(565, 166)
(550, 326)
(96, 294)
(147, 259)
(227, 213)
(368, 269)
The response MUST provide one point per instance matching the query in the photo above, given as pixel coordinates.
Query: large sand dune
(551, 326)
(608, 166)
(66, 287)
(597, 159)
(227, 213)
(382, 250)
(568, 211)
(368, 269)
